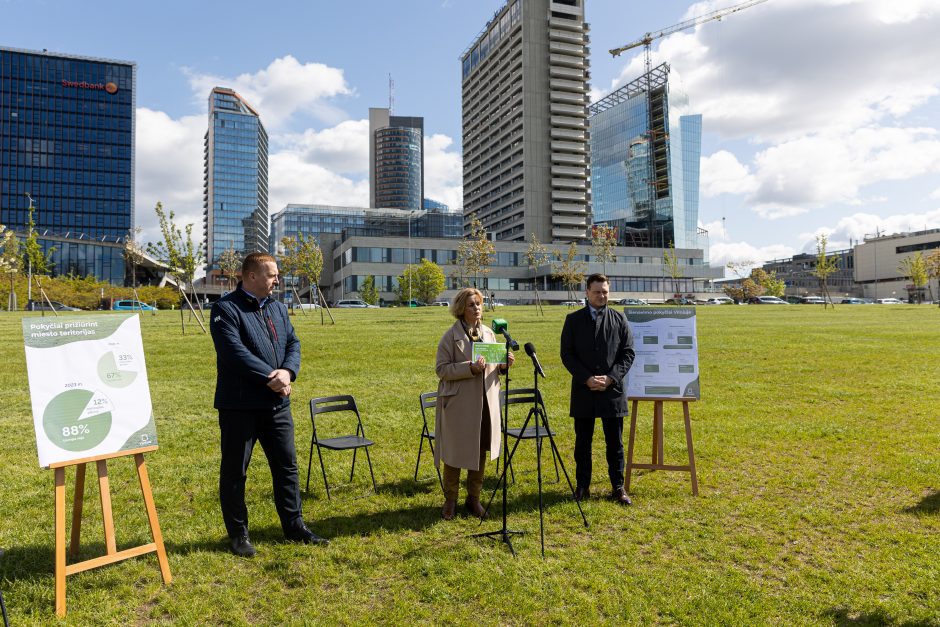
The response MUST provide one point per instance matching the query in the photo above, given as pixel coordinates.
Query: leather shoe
(474, 508)
(620, 496)
(449, 509)
(303, 534)
(582, 493)
(242, 546)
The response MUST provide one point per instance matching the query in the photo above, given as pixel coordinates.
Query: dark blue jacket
(250, 342)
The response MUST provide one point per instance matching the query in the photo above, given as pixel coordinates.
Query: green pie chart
(114, 369)
(77, 420)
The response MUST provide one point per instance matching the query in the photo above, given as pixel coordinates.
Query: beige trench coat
(460, 401)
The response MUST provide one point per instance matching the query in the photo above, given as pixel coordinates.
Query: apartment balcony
(569, 73)
(560, 195)
(562, 158)
(569, 233)
(566, 207)
(569, 122)
(566, 133)
(568, 85)
(567, 60)
(560, 47)
(575, 26)
(578, 110)
(568, 97)
(567, 170)
(570, 36)
(569, 147)
(569, 221)
(566, 183)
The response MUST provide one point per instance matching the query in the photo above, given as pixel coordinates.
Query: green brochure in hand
(494, 353)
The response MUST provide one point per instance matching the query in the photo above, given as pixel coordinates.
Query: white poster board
(88, 385)
(666, 345)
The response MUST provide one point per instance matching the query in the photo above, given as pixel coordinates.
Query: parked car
(680, 301)
(414, 303)
(766, 300)
(571, 303)
(354, 304)
(440, 303)
(720, 300)
(855, 301)
(42, 305)
(812, 300)
(888, 301)
(308, 305)
(131, 305)
(633, 301)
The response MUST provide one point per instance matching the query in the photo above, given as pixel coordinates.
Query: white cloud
(722, 173)
(169, 169)
(293, 180)
(855, 228)
(722, 253)
(283, 89)
(341, 148)
(716, 230)
(443, 171)
(935, 194)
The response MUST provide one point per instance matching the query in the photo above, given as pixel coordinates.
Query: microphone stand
(503, 533)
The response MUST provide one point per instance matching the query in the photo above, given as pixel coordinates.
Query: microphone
(530, 351)
(501, 326)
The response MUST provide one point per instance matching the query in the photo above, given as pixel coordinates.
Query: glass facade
(236, 178)
(645, 163)
(67, 139)
(398, 156)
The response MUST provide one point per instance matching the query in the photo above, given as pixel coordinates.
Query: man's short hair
(254, 261)
(597, 277)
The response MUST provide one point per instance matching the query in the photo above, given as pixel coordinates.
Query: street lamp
(29, 259)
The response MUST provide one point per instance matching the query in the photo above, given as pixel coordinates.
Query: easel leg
(152, 517)
(657, 432)
(688, 444)
(77, 509)
(630, 446)
(60, 542)
(107, 517)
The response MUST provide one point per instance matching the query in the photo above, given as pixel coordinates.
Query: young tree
(603, 240)
(673, 267)
(570, 271)
(133, 252)
(825, 266)
(37, 262)
(230, 263)
(933, 269)
(368, 292)
(769, 281)
(426, 280)
(747, 287)
(915, 268)
(177, 249)
(475, 254)
(536, 255)
(303, 258)
(10, 262)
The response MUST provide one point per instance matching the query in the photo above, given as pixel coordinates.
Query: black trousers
(275, 431)
(613, 437)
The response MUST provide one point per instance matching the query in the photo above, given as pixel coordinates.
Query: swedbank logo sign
(111, 88)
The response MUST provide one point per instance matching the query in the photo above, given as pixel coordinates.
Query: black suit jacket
(590, 348)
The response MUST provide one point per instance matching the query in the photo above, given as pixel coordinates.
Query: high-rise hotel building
(396, 160)
(67, 139)
(235, 199)
(525, 148)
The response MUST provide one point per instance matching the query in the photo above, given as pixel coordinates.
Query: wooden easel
(657, 461)
(113, 555)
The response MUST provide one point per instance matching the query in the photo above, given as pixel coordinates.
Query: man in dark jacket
(257, 357)
(597, 349)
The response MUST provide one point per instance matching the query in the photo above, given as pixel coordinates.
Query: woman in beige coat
(467, 417)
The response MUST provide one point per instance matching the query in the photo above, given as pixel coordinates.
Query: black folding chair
(537, 414)
(428, 401)
(344, 403)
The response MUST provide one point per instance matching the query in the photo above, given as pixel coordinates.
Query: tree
(603, 240)
(427, 281)
(303, 258)
(177, 249)
(673, 267)
(10, 261)
(915, 268)
(933, 269)
(536, 255)
(133, 252)
(825, 266)
(37, 262)
(570, 271)
(230, 264)
(368, 292)
(747, 288)
(769, 281)
(475, 254)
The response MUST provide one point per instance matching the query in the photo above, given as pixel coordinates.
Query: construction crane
(657, 182)
(650, 37)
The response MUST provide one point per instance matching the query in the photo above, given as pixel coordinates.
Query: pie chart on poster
(78, 420)
(117, 369)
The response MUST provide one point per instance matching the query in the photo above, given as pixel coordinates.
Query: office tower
(525, 85)
(645, 157)
(396, 160)
(235, 178)
(67, 139)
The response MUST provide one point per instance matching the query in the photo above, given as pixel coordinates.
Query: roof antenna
(391, 94)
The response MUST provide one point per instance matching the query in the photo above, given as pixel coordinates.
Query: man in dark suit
(257, 358)
(597, 349)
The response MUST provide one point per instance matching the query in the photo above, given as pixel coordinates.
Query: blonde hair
(459, 304)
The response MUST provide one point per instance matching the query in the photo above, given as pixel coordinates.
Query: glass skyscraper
(236, 178)
(396, 159)
(645, 163)
(67, 139)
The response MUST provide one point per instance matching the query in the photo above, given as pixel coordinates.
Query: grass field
(817, 442)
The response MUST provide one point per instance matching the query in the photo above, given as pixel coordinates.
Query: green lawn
(817, 442)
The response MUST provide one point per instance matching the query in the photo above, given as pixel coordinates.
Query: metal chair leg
(440, 479)
(372, 474)
(418, 463)
(326, 483)
(309, 464)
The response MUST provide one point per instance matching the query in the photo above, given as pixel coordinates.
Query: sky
(819, 116)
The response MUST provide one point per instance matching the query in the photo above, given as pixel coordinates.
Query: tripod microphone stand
(504, 533)
(538, 412)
